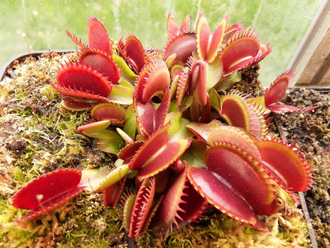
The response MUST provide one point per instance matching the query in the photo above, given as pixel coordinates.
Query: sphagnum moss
(38, 136)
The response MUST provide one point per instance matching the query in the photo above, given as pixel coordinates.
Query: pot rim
(22, 56)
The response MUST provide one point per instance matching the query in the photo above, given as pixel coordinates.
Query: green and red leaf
(204, 77)
(240, 52)
(121, 94)
(75, 40)
(111, 143)
(98, 36)
(199, 80)
(111, 194)
(232, 30)
(285, 165)
(80, 81)
(129, 150)
(52, 204)
(74, 105)
(203, 130)
(182, 86)
(216, 40)
(183, 46)
(102, 62)
(236, 111)
(281, 108)
(46, 187)
(102, 178)
(151, 116)
(115, 113)
(222, 196)
(153, 80)
(234, 136)
(131, 49)
(48, 192)
(208, 44)
(164, 158)
(157, 153)
(203, 36)
(172, 27)
(151, 146)
(181, 203)
(277, 89)
(141, 207)
(243, 173)
(93, 127)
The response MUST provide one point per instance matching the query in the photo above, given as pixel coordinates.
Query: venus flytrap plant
(163, 114)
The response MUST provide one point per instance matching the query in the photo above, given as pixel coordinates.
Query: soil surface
(311, 131)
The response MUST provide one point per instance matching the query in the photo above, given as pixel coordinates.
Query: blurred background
(282, 23)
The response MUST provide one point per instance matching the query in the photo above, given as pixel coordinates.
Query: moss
(42, 137)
